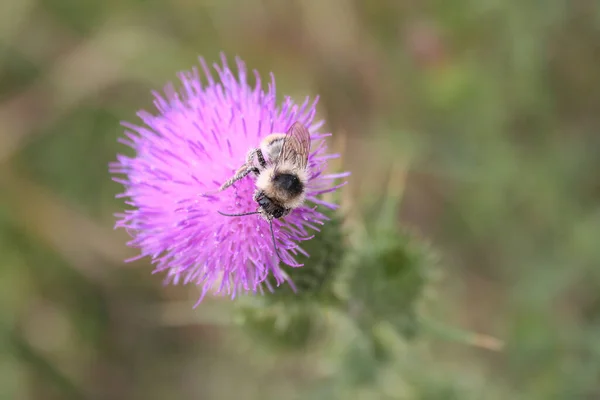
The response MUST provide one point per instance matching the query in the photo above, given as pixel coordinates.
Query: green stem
(449, 333)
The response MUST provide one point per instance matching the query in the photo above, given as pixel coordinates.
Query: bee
(280, 166)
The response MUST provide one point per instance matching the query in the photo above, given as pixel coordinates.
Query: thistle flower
(197, 140)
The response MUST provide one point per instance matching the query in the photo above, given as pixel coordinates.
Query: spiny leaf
(389, 278)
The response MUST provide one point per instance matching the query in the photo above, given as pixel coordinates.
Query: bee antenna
(239, 215)
(274, 242)
(270, 226)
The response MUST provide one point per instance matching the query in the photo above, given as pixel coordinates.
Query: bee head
(268, 208)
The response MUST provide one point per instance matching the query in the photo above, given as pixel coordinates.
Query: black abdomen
(288, 183)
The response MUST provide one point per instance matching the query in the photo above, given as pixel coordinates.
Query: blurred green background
(483, 115)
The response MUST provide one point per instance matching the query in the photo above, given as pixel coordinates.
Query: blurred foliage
(491, 106)
(389, 277)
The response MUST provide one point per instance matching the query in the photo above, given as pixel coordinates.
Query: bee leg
(250, 156)
(261, 158)
(241, 173)
(245, 169)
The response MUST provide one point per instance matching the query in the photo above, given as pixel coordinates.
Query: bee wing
(296, 146)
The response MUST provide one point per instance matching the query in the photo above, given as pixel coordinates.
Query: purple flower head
(195, 142)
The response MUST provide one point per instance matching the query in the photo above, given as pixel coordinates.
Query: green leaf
(283, 326)
(389, 278)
